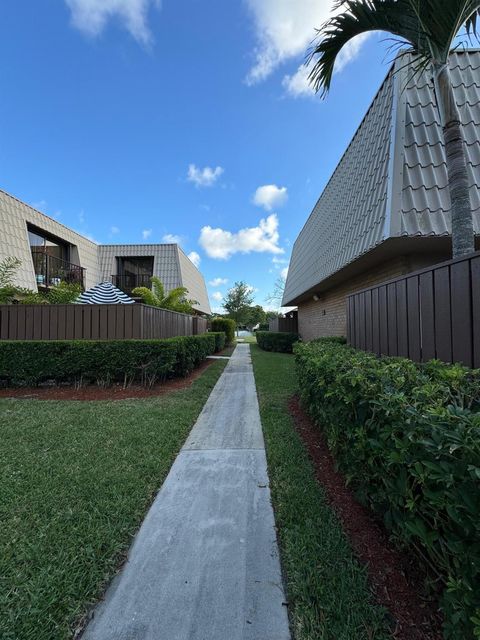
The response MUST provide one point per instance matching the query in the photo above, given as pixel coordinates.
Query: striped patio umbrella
(104, 293)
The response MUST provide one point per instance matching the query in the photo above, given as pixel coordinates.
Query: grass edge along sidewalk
(77, 479)
(329, 597)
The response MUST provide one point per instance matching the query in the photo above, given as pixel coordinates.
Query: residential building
(386, 209)
(51, 252)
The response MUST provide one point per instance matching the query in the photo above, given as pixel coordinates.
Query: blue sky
(135, 121)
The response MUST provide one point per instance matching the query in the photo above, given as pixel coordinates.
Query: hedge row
(29, 363)
(408, 437)
(281, 341)
(227, 326)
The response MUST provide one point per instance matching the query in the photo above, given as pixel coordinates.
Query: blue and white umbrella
(104, 293)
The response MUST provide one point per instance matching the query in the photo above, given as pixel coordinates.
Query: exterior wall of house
(328, 315)
(193, 280)
(170, 265)
(14, 218)
(165, 262)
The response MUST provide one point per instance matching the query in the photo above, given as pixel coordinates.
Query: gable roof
(392, 179)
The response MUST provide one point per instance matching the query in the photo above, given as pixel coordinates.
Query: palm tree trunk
(463, 238)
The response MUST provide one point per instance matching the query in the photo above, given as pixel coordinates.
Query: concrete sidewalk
(204, 565)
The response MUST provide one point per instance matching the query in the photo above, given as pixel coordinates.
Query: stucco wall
(328, 315)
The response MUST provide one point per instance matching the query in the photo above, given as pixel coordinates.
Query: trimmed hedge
(220, 340)
(280, 341)
(407, 437)
(29, 363)
(227, 326)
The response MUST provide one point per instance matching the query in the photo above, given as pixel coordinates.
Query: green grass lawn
(76, 480)
(327, 588)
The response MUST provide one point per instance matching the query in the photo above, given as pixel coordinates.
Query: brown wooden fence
(289, 323)
(432, 313)
(95, 322)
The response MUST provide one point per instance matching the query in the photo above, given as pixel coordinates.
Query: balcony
(50, 271)
(128, 282)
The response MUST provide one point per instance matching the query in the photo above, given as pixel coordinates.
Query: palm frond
(359, 17)
(427, 28)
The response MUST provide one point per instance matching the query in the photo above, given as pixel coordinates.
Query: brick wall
(328, 315)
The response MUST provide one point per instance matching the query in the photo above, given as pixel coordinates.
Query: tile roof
(392, 179)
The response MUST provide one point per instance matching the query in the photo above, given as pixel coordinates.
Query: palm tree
(429, 29)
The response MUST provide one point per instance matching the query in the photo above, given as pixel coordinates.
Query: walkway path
(204, 565)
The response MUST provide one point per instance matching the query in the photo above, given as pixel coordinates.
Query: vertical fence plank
(413, 319)
(475, 281)
(95, 318)
(402, 319)
(443, 324)
(111, 322)
(45, 314)
(103, 322)
(427, 316)
(29, 322)
(375, 322)
(53, 324)
(13, 322)
(461, 305)
(368, 321)
(392, 319)
(383, 317)
(78, 319)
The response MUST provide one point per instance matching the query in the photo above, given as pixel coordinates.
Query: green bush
(227, 326)
(407, 437)
(27, 363)
(220, 340)
(281, 341)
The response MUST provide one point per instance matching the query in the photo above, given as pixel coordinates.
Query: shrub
(227, 326)
(102, 362)
(281, 341)
(220, 339)
(407, 437)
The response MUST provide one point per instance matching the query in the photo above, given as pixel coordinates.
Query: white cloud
(91, 16)
(284, 272)
(146, 233)
(297, 85)
(284, 31)
(114, 230)
(81, 217)
(218, 282)
(222, 244)
(350, 51)
(217, 296)
(269, 196)
(205, 177)
(195, 258)
(171, 238)
(277, 260)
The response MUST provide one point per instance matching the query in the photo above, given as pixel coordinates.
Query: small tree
(174, 300)
(237, 301)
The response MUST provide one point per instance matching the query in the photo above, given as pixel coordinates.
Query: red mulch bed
(115, 392)
(395, 578)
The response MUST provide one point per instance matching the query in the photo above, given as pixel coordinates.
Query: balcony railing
(51, 271)
(129, 282)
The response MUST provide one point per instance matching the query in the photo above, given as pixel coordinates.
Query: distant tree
(174, 300)
(237, 302)
(276, 296)
(271, 315)
(256, 315)
(428, 29)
